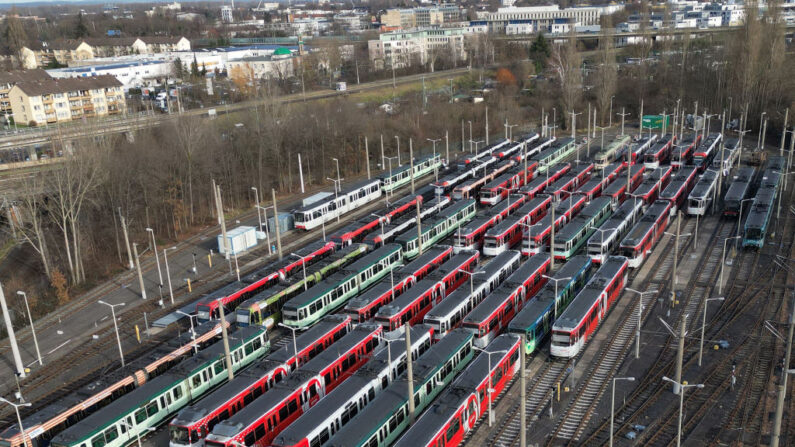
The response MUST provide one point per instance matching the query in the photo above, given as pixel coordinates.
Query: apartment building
(400, 49)
(8, 79)
(58, 100)
(420, 17)
(69, 51)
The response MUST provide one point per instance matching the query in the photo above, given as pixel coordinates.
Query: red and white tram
(577, 324)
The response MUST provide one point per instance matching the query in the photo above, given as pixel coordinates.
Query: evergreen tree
(194, 68)
(80, 28)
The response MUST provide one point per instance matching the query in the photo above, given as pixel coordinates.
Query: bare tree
(566, 62)
(606, 75)
(28, 221)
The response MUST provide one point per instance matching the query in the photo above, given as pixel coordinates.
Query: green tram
(438, 228)
(576, 233)
(333, 292)
(614, 149)
(402, 174)
(157, 401)
(558, 152)
(535, 320)
(385, 418)
(265, 307)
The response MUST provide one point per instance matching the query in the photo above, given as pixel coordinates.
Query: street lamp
(556, 285)
(611, 117)
(681, 404)
(337, 162)
(397, 138)
(640, 317)
(723, 261)
(32, 329)
(471, 279)
(703, 324)
(256, 198)
(470, 135)
(613, 403)
(303, 267)
(19, 418)
(157, 258)
(389, 350)
(337, 186)
(295, 344)
(490, 390)
(115, 326)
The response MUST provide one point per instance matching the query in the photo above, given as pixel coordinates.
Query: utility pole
(782, 386)
(487, 125)
(301, 171)
(138, 267)
(383, 160)
(366, 158)
(126, 239)
(552, 235)
(225, 337)
(409, 373)
(276, 224)
(11, 337)
(574, 125)
(680, 354)
(676, 261)
(588, 129)
(623, 116)
(719, 192)
(447, 146)
(419, 230)
(222, 220)
(640, 120)
(411, 164)
(523, 392)
(463, 138)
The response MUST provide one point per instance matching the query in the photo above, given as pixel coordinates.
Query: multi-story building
(400, 49)
(411, 18)
(8, 79)
(543, 17)
(68, 52)
(57, 100)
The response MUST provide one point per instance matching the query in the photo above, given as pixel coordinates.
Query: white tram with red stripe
(640, 240)
(578, 323)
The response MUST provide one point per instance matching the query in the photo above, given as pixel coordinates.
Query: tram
(638, 243)
(535, 320)
(577, 324)
(702, 195)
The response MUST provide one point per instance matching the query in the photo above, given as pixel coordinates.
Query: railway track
(75, 373)
(755, 348)
(574, 421)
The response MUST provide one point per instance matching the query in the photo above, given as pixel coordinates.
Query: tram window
(249, 439)
(151, 409)
(453, 429)
(98, 441)
(292, 406)
(177, 392)
(111, 434)
(140, 416)
(259, 432)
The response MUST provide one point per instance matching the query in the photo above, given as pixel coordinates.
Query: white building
(544, 16)
(400, 49)
(226, 14)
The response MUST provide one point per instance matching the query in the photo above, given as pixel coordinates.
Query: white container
(240, 239)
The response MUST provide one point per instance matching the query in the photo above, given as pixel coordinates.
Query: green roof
(282, 51)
